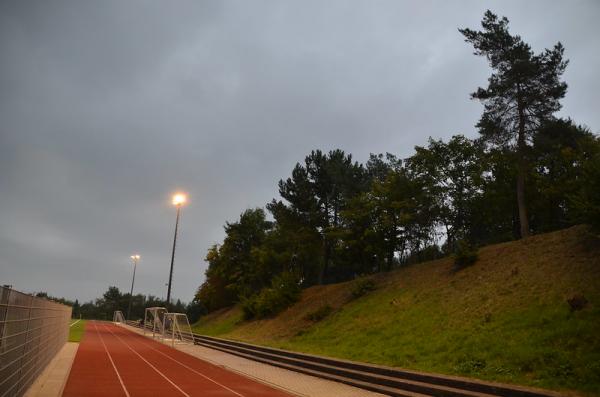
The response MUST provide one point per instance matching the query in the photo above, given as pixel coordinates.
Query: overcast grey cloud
(107, 107)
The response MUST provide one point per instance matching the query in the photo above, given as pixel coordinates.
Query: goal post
(154, 320)
(177, 328)
(118, 317)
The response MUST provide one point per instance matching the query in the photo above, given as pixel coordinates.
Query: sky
(108, 107)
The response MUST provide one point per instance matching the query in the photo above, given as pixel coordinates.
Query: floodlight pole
(135, 259)
(173, 255)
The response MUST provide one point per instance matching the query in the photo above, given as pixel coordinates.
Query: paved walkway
(52, 380)
(290, 381)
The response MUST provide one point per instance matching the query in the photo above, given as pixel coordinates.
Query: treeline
(335, 219)
(112, 300)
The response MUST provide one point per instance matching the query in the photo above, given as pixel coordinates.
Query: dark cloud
(108, 107)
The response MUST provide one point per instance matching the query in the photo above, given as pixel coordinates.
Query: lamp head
(179, 199)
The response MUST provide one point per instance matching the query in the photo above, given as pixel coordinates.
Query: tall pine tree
(523, 92)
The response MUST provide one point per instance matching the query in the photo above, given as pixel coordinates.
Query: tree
(318, 191)
(523, 92)
(452, 173)
(560, 155)
(585, 202)
(494, 213)
(234, 267)
(390, 221)
(195, 310)
(76, 309)
(294, 243)
(216, 291)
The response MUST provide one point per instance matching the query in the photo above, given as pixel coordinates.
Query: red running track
(113, 361)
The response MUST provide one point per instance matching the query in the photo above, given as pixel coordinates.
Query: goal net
(154, 320)
(118, 317)
(177, 328)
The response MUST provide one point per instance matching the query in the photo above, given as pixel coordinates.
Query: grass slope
(76, 330)
(505, 318)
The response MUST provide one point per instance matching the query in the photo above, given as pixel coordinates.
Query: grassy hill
(506, 318)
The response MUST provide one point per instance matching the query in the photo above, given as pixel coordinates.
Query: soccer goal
(154, 320)
(118, 317)
(177, 328)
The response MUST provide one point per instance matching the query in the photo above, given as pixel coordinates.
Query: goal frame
(154, 320)
(177, 327)
(118, 317)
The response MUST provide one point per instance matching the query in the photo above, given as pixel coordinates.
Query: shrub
(319, 314)
(284, 291)
(464, 255)
(362, 286)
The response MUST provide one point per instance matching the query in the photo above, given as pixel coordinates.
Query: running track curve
(113, 362)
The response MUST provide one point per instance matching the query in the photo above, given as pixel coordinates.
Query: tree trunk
(521, 172)
(326, 245)
(326, 258)
(523, 220)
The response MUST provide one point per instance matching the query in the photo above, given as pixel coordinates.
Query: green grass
(503, 319)
(544, 346)
(76, 330)
(224, 325)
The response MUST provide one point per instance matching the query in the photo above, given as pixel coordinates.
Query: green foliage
(319, 314)
(523, 92)
(586, 201)
(316, 194)
(453, 174)
(113, 299)
(465, 255)
(238, 266)
(525, 88)
(195, 310)
(284, 291)
(361, 287)
(564, 155)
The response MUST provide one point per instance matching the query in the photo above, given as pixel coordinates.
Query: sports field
(113, 361)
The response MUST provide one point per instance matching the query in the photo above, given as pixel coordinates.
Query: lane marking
(147, 362)
(192, 369)
(72, 324)
(111, 361)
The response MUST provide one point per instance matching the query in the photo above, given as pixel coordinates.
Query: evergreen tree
(523, 92)
(318, 191)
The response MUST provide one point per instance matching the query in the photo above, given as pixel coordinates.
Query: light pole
(178, 200)
(135, 258)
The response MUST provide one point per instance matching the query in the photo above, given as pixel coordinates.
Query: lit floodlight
(179, 199)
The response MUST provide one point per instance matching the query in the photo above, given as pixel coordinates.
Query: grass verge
(76, 330)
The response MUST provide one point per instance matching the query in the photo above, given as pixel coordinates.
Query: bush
(464, 255)
(362, 286)
(319, 314)
(284, 291)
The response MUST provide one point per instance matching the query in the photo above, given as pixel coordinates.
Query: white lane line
(112, 362)
(72, 324)
(147, 362)
(192, 369)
